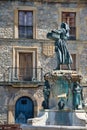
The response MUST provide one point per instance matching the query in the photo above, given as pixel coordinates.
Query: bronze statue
(61, 104)
(77, 96)
(46, 93)
(60, 36)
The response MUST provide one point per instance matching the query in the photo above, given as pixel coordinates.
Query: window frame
(64, 9)
(24, 26)
(16, 22)
(72, 27)
(23, 49)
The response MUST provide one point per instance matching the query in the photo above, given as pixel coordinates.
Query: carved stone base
(68, 74)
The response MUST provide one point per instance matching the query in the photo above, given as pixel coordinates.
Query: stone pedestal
(61, 83)
(60, 118)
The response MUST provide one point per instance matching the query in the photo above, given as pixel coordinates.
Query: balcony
(23, 75)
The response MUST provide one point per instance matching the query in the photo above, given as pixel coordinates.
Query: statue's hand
(57, 31)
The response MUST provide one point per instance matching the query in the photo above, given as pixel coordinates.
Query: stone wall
(8, 97)
(3, 105)
(45, 61)
(47, 18)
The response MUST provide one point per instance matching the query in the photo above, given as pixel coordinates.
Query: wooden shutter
(25, 66)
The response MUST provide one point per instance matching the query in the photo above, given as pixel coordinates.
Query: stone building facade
(15, 50)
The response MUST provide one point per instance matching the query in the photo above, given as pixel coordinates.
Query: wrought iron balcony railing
(23, 74)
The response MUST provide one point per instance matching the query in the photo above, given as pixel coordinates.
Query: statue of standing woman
(60, 36)
(77, 96)
(46, 93)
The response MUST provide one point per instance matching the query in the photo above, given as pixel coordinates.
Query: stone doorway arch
(12, 103)
(24, 109)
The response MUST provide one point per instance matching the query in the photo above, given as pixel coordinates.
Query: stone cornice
(22, 84)
(69, 75)
(10, 41)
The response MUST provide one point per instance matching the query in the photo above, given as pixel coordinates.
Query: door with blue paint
(24, 109)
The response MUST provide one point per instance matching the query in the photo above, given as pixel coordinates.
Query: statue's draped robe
(62, 53)
(60, 37)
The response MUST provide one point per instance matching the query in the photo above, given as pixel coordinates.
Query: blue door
(24, 109)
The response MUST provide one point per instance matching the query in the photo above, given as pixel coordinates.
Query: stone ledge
(22, 84)
(52, 127)
(68, 74)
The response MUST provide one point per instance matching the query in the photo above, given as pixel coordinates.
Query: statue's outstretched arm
(57, 31)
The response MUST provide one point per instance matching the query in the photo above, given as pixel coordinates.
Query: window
(70, 19)
(25, 64)
(25, 24)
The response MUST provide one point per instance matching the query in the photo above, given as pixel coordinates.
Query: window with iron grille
(25, 24)
(70, 19)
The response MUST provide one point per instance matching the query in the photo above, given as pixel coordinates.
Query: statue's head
(63, 25)
(66, 27)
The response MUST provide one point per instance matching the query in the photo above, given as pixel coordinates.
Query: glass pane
(65, 20)
(72, 33)
(21, 17)
(25, 32)
(72, 15)
(72, 30)
(29, 32)
(29, 18)
(65, 14)
(21, 32)
(72, 22)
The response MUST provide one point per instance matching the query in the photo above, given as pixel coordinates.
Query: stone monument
(63, 95)
(60, 37)
(62, 90)
(66, 89)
